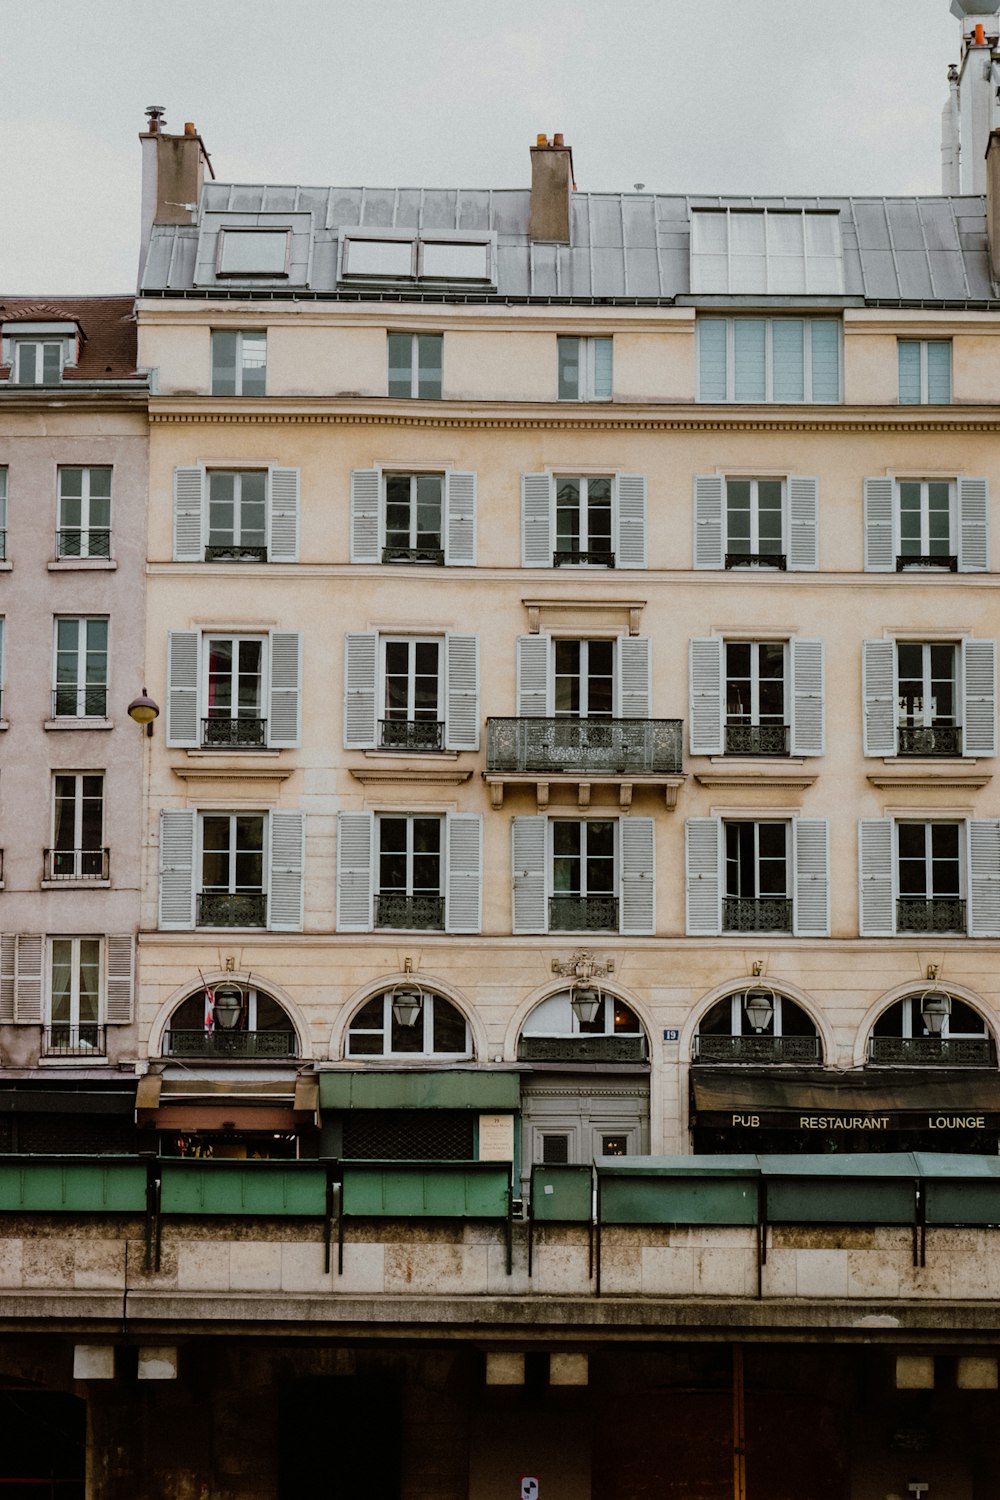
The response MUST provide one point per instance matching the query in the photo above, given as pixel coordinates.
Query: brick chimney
(993, 202)
(173, 170)
(552, 188)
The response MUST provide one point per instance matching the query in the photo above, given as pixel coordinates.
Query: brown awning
(862, 1101)
(198, 1116)
(147, 1095)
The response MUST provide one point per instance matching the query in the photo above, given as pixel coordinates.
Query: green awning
(483, 1091)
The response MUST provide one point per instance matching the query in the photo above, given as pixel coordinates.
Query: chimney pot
(541, 140)
(980, 35)
(551, 190)
(557, 140)
(190, 128)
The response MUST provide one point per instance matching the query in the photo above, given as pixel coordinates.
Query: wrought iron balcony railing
(234, 552)
(582, 1049)
(411, 734)
(938, 914)
(757, 739)
(232, 909)
(233, 734)
(948, 560)
(931, 1051)
(619, 746)
(87, 1040)
(757, 560)
(433, 555)
(222, 1044)
(929, 739)
(72, 702)
(594, 557)
(757, 1049)
(424, 913)
(78, 543)
(77, 864)
(3, 544)
(583, 913)
(756, 914)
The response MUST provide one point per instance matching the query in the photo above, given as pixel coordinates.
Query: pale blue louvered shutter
(528, 867)
(824, 338)
(973, 525)
(706, 683)
(712, 363)
(532, 676)
(119, 979)
(30, 964)
(189, 543)
(909, 372)
(8, 970)
(601, 350)
(463, 906)
(284, 728)
(803, 522)
(630, 551)
(177, 849)
(878, 691)
(355, 864)
(284, 497)
(461, 730)
(360, 683)
(984, 877)
(979, 697)
(285, 875)
(460, 526)
(880, 531)
(638, 886)
(709, 520)
(703, 876)
(808, 718)
(536, 520)
(749, 359)
(366, 485)
(183, 647)
(811, 903)
(635, 676)
(788, 360)
(876, 907)
(939, 372)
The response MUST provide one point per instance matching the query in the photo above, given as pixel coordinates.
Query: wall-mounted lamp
(144, 710)
(228, 1006)
(407, 1003)
(759, 1006)
(935, 1008)
(584, 995)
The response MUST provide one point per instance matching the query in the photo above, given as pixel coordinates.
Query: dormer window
(407, 256)
(38, 353)
(771, 252)
(253, 252)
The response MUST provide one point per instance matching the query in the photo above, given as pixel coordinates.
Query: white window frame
(80, 685)
(583, 675)
(908, 1003)
(786, 671)
(962, 859)
(77, 849)
(928, 720)
(237, 230)
(813, 282)
(769, 398)
(238, 476)
(235, 638)
(40, 343)
(411, 642)
(924, 398)
(583, 893)
(199, 866)
(73, 1024)
(756, 823)
(241, 365)
(86, 528)
(409, 818)
(737, 1015)
(413, 475)
(587, 366)
(754, 482)
(426, 1022)
(899, 481)
(416, 243)
(565, 1022)
(414, 393)
(582, 508)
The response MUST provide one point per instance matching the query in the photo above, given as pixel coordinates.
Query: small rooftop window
(407, 257)
(253, 252)
(770, 252)
(451, 260)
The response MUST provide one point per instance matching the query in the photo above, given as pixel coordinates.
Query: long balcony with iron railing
(580, 750)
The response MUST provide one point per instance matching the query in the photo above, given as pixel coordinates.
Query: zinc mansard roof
(625, 246)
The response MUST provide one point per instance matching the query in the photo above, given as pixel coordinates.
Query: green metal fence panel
(263, 1188)
(562, 1194)
(447, 1190)
(67, 1186)
(857, 1200)
(966, 1201)
(678, 1200)
(482, 1090)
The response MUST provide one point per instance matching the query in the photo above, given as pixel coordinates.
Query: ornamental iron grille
(583, 913)
(233, 734)
(433, 555)
(232, 909)
(757, 1049)
(931, 1051)
(582, 1049)
(948, 560)
(223, 1044)
(393, 909)
(408, 1135)
(757, 739)
(77, 543)
(934, 739)
(235, 552)
(756, 914)
(616, 746)
(777, 560)
(77, 864)
(566, 557)
(937, 914)
(74, 1041)
(411, 734)
(72, 702)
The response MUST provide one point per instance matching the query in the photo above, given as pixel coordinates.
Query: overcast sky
(769, 96)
